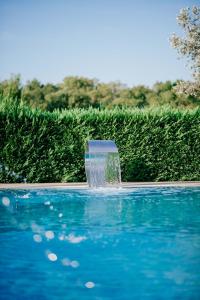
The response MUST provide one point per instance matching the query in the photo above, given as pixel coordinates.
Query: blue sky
(110, 40)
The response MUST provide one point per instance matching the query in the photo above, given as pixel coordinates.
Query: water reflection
(120, 209)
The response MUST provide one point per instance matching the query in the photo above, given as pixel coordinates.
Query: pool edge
(84, 185)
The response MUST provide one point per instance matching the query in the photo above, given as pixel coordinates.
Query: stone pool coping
(83, 185)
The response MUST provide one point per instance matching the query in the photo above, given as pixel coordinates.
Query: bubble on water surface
(36, 228)
(6, 201)
(37, 238)
(65, 262)
(60, 215)
(74, 264)
(47, 203)
(90, 284)
(61, 237)
(75, 239)
(70, 263)
(49, 234)
(177, 275)
(52, 256)
(51, 207)
(25, 196)
(23, 226)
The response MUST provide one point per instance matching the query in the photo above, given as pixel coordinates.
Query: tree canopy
(84, 92)
(189, 47)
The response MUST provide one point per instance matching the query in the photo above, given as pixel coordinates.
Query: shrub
(154, 145)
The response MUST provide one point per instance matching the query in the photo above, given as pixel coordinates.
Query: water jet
(102, 164)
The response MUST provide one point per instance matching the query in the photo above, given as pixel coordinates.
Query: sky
(110, 40)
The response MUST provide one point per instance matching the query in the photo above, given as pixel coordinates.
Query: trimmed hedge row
(154, 145)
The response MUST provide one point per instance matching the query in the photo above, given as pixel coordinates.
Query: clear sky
(126, 40)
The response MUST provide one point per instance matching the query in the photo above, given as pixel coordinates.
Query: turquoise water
(81, 244)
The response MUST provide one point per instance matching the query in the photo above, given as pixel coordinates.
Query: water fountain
(102, 164)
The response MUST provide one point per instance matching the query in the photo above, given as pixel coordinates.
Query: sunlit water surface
(118, 244)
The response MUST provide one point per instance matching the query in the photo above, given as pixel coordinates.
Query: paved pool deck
(83, 185)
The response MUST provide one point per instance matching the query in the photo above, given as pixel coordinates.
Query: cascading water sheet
(102, 164)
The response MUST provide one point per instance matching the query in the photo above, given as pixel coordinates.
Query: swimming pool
(110, 244)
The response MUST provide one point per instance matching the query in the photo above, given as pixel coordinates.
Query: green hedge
(154, 145)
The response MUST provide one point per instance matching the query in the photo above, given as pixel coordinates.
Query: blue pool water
(82, 244)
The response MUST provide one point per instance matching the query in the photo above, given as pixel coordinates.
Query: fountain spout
(102, 164)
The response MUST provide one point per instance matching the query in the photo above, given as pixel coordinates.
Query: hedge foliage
(154, 145)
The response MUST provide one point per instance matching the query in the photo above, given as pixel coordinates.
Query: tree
(83, 92)
(11, 87)
(189, 46)
(56, 100)
(139, 94)
(78, 90)
(33, 94)
(37, 94)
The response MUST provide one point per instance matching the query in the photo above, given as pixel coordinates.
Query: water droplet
(60, 215)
